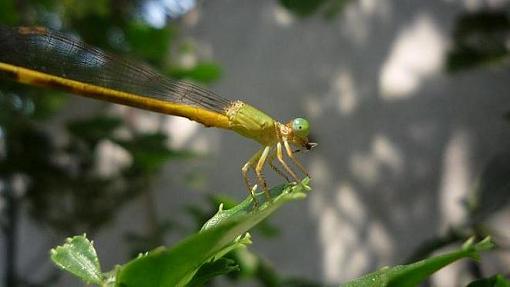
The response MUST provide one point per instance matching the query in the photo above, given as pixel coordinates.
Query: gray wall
(401, 142)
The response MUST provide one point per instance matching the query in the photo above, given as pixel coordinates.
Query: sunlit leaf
(222, 233)
(413, 274)
(78, 257)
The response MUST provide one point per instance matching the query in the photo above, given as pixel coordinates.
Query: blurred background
(408, 101)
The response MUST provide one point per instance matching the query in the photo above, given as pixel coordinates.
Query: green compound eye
(301, 127)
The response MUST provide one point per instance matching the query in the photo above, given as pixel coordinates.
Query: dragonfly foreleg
(259, 171)
(246, 168)
(279, 155)
(293, 158)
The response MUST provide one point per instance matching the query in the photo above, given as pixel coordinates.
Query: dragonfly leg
(275, 168)
(279, 155)
(293, 158)
(245, 169)
(260, 175)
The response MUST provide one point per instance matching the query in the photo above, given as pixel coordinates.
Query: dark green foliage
(93, 130)
(493, 190)
(480, 39)
(213, 269)
(8, 12)
(304, 8)
(494, 281)
(20, 103)
(149, 152)
(148, 43)
(62, 189)
(202, 72)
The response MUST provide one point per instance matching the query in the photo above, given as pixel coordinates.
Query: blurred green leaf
(431, 245)
(202, 72)
(333, 8)
(494, 281)
(80, 9)
(78, 257)
(47, 103)
(94, 129)
(96, 30)
(8, 13)
(222, 233)
(148, 43)
(247, 261)
(28, 149)
(493, 190)
(480, 38)
(413, 274)
(150, 151)
(302, 7)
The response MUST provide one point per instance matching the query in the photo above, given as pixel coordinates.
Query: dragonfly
(41, 57)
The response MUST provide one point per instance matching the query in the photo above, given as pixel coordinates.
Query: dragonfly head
(299, 131)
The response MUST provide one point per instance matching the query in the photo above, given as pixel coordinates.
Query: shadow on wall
(401, 141)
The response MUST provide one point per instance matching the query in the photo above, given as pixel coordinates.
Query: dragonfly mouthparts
(309, 146)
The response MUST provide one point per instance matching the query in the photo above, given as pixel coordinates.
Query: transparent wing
(58, 55)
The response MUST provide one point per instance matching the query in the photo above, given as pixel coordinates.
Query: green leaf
(80, 9)
(47, 103)
(78, 257)
(493, 190)
(302, 7)
(94, 129)
(213, 269)
(479, 40)
(494, 281)
(413, 274)
(305, 8)
(8, 13)
(202, 72)
(224, 232)
(150, 152)
(148, 43)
